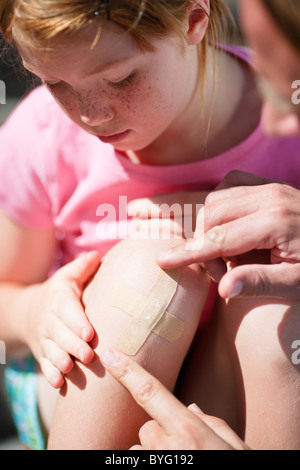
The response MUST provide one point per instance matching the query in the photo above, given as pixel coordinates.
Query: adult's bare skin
(173, 426)
(247, 213)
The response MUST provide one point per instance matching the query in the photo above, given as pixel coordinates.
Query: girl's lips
(114, 138)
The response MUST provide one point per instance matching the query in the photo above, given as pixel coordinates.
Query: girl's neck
(229, 113)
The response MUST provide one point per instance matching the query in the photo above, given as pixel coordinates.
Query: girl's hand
(57, 328)
(173, 425)
(167, 216)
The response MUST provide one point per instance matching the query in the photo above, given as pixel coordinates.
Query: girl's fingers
(81, 269)
(59, 358)
(72, 279)
(52, 374)
(73, 316)
(69, 342)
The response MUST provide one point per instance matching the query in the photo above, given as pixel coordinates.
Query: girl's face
(114, 91)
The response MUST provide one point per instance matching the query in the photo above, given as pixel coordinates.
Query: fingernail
(81, 354)
(84, 334)
(236, 290)
(195, 408)
(92, 254)
(108, 358)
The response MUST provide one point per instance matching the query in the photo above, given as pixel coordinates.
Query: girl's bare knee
(132, 263)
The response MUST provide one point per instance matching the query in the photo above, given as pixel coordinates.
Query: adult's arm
(247, 213)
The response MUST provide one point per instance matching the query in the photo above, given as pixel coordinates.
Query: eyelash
(123, 83)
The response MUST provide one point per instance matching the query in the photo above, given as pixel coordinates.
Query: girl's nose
(94, 115)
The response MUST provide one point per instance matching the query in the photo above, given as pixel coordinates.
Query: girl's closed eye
(124, 82)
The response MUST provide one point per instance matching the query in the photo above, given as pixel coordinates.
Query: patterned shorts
(20, 381)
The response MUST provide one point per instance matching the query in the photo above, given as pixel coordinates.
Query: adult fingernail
(195, 408)
(108, 358)
(236, 290)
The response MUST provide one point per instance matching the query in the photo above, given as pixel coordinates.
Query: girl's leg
(247, 372)
(93, 410)
(268, 380)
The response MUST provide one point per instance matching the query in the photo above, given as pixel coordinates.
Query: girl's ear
(198, 19)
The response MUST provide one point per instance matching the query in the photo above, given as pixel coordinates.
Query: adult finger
(277, 281)
(231, 239)
(158, 229)
(147, 391)
(229, 204)
(153, 208)
(168, 412)
(152, 436)
(163, 205)
(220, 427)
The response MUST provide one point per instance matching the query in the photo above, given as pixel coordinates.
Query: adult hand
(247, 213)
(57, 327)
(166, 216)
(173, 426)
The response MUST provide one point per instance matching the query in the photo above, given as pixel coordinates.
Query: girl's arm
(26, 257)
(93, 410)
(44, 315)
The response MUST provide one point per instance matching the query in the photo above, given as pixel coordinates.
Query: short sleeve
(26, 163)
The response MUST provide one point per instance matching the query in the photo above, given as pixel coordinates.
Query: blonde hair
(39, 25)
(286, 15)
(41, 22)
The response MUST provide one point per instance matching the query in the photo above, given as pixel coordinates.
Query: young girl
(141, 102)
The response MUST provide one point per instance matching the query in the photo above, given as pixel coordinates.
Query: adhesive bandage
(149, 313)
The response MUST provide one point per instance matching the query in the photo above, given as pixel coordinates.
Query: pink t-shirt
(54, 174)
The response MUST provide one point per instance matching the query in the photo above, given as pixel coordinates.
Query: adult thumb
(276, 280)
